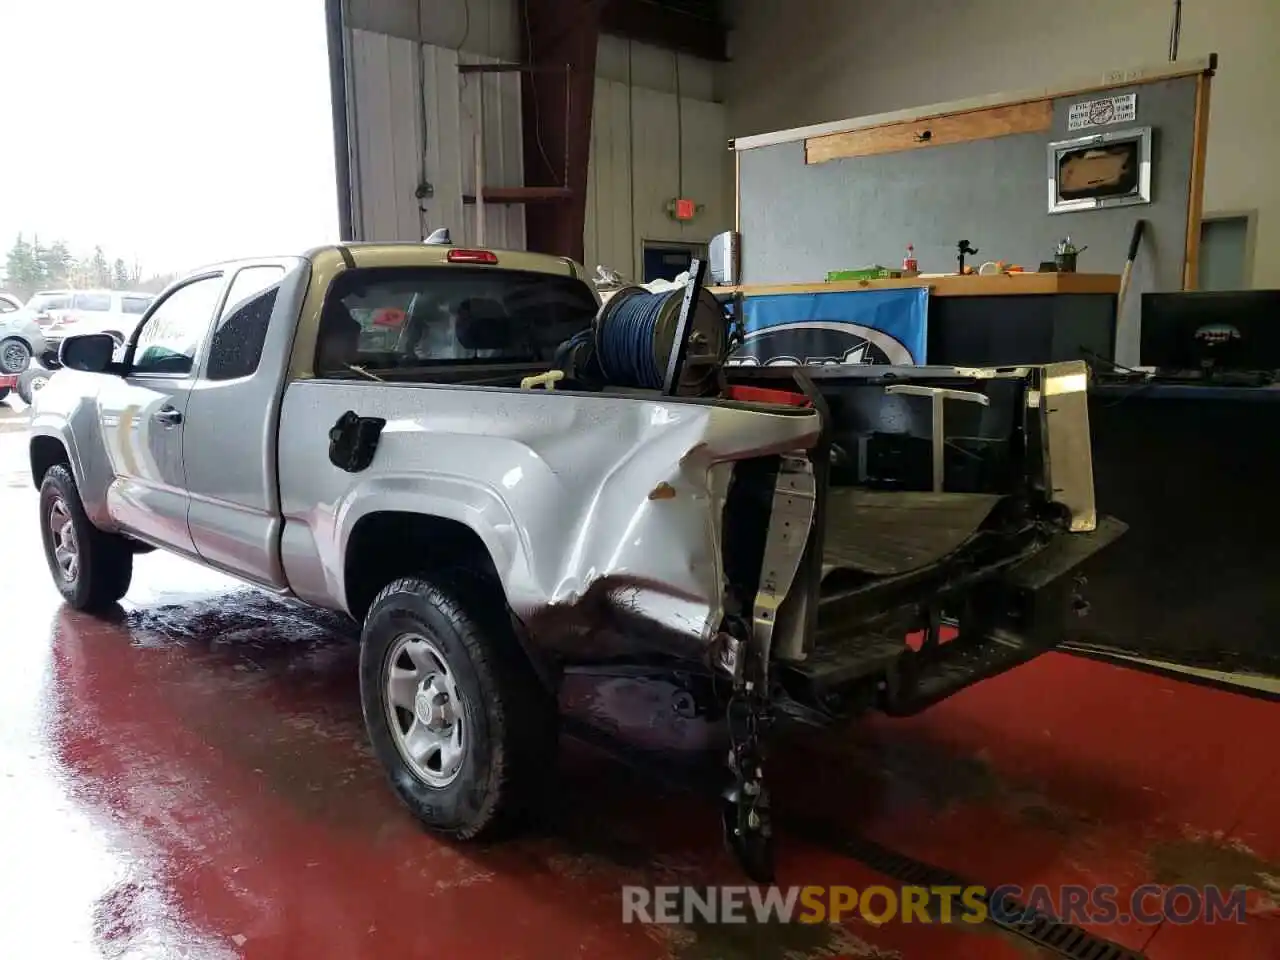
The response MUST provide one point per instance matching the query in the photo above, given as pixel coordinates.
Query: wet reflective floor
(189, 778)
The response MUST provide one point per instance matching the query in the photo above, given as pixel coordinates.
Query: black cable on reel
(625, 338)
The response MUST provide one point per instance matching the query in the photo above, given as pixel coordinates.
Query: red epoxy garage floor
(192, 781)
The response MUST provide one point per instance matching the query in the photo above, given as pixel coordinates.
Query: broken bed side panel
(600, 512)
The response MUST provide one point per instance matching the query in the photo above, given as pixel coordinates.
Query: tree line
(31, 266)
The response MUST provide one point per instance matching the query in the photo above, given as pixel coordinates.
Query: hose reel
(636, 333)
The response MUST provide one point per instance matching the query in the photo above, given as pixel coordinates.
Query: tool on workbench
(965, 251)
(1134, 241)
(1065, 257)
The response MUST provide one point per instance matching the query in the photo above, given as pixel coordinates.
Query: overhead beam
(666, 27)
(556, 120)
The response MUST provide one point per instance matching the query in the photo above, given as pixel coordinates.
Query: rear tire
(4, 392)
(445, 644)
(91, 568)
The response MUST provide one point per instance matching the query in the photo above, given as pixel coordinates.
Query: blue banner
(855, 326)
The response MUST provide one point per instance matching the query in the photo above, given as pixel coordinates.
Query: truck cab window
(403, 318)
(237, 341)
(170, 337)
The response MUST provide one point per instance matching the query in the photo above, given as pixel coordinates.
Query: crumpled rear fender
(592, 507)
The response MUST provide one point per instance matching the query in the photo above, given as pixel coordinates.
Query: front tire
(455, 713)
(32, 381)
(91, 568)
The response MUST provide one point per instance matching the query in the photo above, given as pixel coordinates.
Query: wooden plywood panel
(1001, 121)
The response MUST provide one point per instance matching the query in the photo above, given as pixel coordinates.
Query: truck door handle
(169, 416)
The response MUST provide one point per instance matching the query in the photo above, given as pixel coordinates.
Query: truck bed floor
(888, 532)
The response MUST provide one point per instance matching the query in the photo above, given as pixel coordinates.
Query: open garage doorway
(145, 138)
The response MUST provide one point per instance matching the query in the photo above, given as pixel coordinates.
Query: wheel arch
(47, 451)
(384, 545)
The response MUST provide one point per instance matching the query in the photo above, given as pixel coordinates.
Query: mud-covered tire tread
(106, 562)
(520, 713)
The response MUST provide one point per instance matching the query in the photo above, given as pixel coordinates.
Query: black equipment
(1211, 332)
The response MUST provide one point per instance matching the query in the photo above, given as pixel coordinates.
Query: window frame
(203, 344)
(224, 304)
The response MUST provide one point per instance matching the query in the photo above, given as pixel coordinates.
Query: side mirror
(90, 352)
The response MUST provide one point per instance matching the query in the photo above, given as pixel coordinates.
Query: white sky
(175, 132)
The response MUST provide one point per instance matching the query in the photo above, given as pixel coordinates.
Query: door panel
(143, 415)
(234, 513)
(144, 441)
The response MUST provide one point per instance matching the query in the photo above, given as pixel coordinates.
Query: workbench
(997, 320)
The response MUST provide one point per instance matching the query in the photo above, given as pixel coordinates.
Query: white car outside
(116, 312)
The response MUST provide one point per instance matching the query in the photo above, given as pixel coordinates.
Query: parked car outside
(9, 303)
(21, 338)
(22, 331)
(115, 312)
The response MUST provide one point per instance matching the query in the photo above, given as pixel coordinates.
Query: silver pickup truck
(373, 429)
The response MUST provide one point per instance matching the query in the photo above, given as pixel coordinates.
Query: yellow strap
(548, 379)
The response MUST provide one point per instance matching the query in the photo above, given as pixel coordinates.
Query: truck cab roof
(410, 254)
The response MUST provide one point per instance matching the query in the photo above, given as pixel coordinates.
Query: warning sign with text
(1104, 112)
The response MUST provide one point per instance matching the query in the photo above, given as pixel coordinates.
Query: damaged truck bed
(399, 432)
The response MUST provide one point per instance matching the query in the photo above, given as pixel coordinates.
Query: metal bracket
(939, 396)
(684, 324)
(794, 501)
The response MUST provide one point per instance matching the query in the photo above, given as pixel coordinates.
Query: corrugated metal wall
(388, 159)
(635, 168)
(633, 171)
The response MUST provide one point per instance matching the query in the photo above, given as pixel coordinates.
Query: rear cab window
(447, 319)
(135, 304)
(241, 331)
(46, 302)
(98, 302)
